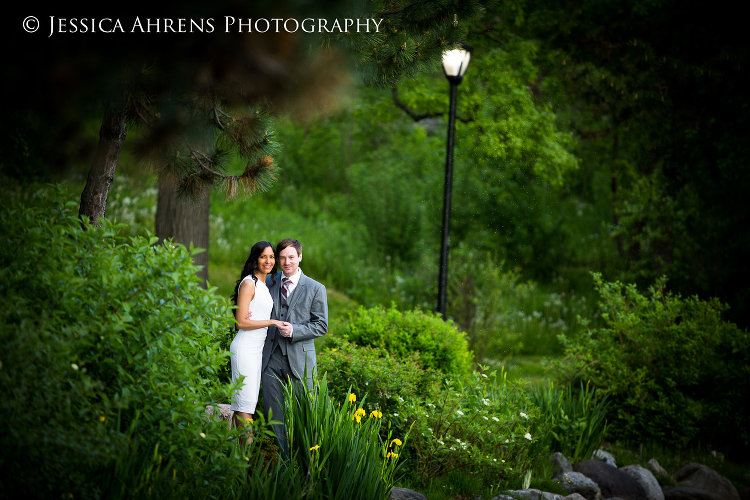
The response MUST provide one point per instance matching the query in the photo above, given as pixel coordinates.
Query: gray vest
(283, 314)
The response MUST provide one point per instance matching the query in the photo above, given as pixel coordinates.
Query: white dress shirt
(290, 288)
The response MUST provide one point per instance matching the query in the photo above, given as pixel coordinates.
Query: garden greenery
(438, 344)
(674, 371)
(340, 446)
(479, 425)
(108, 354)
(576, 420)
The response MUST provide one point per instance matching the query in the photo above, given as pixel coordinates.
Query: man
(289, 351)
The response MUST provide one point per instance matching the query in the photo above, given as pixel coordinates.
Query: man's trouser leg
(274, 377)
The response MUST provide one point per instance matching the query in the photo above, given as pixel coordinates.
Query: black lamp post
(455, 63)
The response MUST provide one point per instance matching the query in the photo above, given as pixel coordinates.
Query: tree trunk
(183, 221)
(111, 135)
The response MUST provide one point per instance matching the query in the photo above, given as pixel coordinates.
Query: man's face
(289, 260)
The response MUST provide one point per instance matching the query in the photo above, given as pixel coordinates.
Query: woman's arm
(245, 296)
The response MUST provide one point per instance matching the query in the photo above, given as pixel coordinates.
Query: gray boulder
(574, 496)
(657, 469)
(531, 494)
(225, 413)
(575, 482)
(612, 481)
(646, 479)
(699, 476)
(560, 464)
(502, 497)
(605, 457)
(684, 493)
(406, 494)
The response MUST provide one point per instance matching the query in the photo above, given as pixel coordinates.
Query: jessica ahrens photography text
(227, 24)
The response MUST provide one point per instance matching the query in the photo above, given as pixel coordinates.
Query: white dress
(247, 351)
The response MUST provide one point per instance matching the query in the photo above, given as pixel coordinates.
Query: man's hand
(285, 329)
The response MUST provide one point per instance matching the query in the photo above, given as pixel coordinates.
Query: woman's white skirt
(247, 360)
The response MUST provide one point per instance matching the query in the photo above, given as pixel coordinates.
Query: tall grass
(576, 419)
(339, 445)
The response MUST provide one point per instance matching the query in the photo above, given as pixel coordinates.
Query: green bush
(481, 426)
(673, 370)
(370, 372)
(108, 360)
(575, 420)
(438, 344)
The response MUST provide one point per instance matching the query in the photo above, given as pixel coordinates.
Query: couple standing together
(279, 315)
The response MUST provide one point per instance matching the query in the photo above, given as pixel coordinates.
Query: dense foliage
(435, 344)
(386, 380)
(674, 371)
(576, 419)
(655, 93)
(340, 445)
(108, 354)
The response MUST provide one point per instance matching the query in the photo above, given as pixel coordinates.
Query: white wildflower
(527, 436)
(460, 412)
(495, 419)
(524, 415)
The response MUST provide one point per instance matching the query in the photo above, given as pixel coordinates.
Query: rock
(503, 497)
(406, 494)
(612, 481)
(575, 482)
(684, 493)
(646, 479)
(699, 476)
(225, 413)
(560, 464)
(574, 496)
(605, 457)
(531, 494)
(657, 469)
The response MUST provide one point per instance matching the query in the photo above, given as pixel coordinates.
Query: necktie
(285, 288)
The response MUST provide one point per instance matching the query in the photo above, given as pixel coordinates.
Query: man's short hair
(288, 242)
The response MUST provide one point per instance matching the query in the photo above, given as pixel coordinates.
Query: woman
(251, 296)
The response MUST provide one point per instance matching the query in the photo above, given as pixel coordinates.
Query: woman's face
(266, 260)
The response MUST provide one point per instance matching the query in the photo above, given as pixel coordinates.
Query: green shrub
(482, 426)
(339, 445)
(438, 344)
(674, 371)
(575, 420)
(385, 381)
(108, 360)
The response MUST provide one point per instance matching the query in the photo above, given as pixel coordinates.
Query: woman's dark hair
(251, 267)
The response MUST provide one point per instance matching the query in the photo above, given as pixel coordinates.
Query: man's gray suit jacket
(308, 313)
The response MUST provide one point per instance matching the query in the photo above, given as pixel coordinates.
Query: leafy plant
(481, 427)
(672, 369)
(338, 446)
(109, 357)
(575, 420)
(438, 344)
(385, 380)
